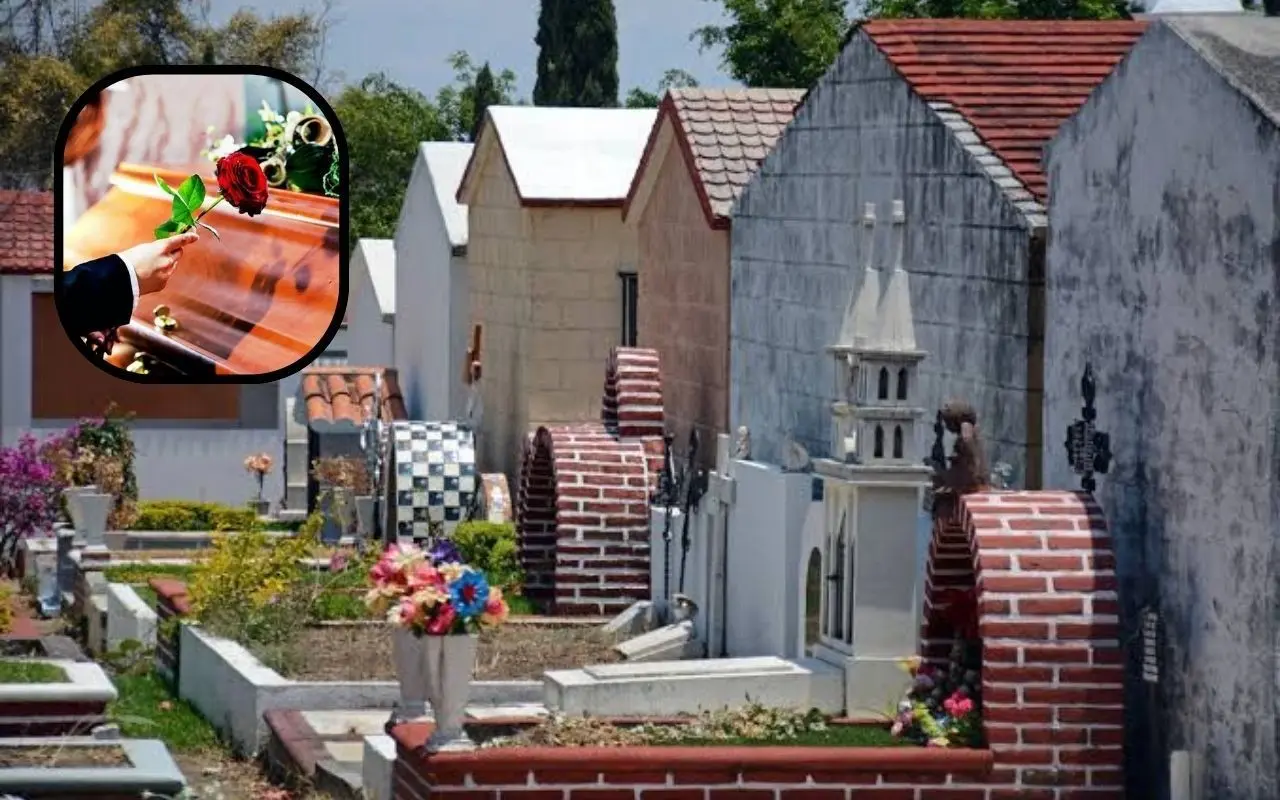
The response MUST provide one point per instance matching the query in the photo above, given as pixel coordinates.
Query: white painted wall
(370, 334)
(432, 292)
(772, 526)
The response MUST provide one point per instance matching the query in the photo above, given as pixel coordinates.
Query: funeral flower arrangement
(298, 151)
(942, 706)
(432, 593)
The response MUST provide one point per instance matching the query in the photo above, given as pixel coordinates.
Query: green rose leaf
(306, 167)
(192, 193)
(168, 229)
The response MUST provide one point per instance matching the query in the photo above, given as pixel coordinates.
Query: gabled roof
(1243, 48)
(1012, 82)
(342, 396)
(379, 257)
(445, 163)
(723, 135)
(26, 232)
(563, 156)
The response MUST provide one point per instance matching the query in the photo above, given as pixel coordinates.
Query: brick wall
(583, 496)
(684, 302)
(694, 773)
(171, 602)
(1052, 682)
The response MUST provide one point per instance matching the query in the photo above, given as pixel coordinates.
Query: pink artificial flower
(337, 561)
(425, 576)
(897, 729)
(407, 613)
(957, 705)
(442, 621)
(384, 572)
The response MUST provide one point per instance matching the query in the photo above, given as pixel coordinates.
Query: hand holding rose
(154, 262)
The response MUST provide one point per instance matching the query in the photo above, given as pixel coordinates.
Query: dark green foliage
(780, 44)
(484, 93)
(999, 9)
(577, 54)
(195, 515)
(492, 548)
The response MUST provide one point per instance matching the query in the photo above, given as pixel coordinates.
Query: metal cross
(1088, 449)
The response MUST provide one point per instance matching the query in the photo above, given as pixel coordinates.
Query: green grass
(147, 709)
(20, 671)
(134, 574)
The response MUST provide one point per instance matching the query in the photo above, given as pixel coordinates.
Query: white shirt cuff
(133, 282)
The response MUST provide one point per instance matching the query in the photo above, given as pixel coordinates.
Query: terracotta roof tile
(26, 232)
(729, 132)
(345, 394)
(1013, 81)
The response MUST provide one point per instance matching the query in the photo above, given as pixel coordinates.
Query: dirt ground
(53, 755)
(512, 652)
(214, 774)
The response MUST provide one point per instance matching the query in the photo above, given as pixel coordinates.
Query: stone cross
(721, 488)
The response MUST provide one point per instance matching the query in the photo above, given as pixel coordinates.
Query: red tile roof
(345, 394)
(26, 232)
(1014, 81)
(724, 135)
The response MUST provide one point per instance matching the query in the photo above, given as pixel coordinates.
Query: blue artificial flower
(469, 593)
(443, 551)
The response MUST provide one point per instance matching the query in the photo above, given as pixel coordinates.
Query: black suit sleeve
(95, 296)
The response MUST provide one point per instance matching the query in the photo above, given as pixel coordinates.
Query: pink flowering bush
(431, 593)
(29, 495)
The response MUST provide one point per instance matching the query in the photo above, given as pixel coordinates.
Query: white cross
(721, 487)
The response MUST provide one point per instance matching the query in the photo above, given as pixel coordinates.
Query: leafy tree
(384, 122)
(671, 79)
(778, 43)
(999, 9)
(577, 54)
(53, 50)
(484, 94)
(462, 104)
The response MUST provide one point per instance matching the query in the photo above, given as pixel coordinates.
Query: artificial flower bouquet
(942, 706)
(432, 593)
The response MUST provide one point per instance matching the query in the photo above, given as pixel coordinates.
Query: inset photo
(201, 225)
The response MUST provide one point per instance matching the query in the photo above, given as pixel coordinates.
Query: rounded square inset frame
(201, 225)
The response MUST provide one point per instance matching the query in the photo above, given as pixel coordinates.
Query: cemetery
(855, 513)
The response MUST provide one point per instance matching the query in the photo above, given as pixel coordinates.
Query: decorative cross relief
(1088, 449)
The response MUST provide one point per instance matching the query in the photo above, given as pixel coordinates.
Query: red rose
(442, 621)
(242, 182)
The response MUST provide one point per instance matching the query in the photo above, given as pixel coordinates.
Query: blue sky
(410, 39)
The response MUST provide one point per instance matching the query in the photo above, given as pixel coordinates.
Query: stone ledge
(151, 769)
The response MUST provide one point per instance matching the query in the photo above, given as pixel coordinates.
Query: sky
(410, 39)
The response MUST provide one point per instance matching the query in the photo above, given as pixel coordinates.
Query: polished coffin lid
(255, 301)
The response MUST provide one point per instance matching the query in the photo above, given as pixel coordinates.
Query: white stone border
(86, 683)
(152, 770)
(233, 689)
(129, 617)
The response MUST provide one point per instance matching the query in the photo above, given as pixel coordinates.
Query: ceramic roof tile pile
(26, 232)
(729, 132)
(345, 394)
(1014, 81)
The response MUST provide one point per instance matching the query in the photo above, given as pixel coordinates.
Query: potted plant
(438, 606)
(259, 464)
(83, 471)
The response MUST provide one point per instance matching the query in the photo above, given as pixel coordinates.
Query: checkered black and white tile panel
(432, 477)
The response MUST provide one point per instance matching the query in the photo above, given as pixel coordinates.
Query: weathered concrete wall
(684, 303)
(498, 258)
(370, 337)
(863, 136)
(1163, 264)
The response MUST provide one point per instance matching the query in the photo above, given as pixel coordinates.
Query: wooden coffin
(253, 302)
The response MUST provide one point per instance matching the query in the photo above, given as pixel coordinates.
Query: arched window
(879, 448)
(902, 384)
(897, 441)
(884, 383)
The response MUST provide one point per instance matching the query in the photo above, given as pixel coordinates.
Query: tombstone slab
(684, 687)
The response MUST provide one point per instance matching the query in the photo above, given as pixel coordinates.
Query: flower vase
(69, 496)
(90, 513)
(409, 653)
(451, 663)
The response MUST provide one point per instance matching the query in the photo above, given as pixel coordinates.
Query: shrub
(109, 437)
(491, 547)
(29, 495)
(6, 609)
(191, 515)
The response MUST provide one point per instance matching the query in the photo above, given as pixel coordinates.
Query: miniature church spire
(859, 327)
(895, 323)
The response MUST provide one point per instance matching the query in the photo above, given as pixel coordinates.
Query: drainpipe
(1036, 304)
